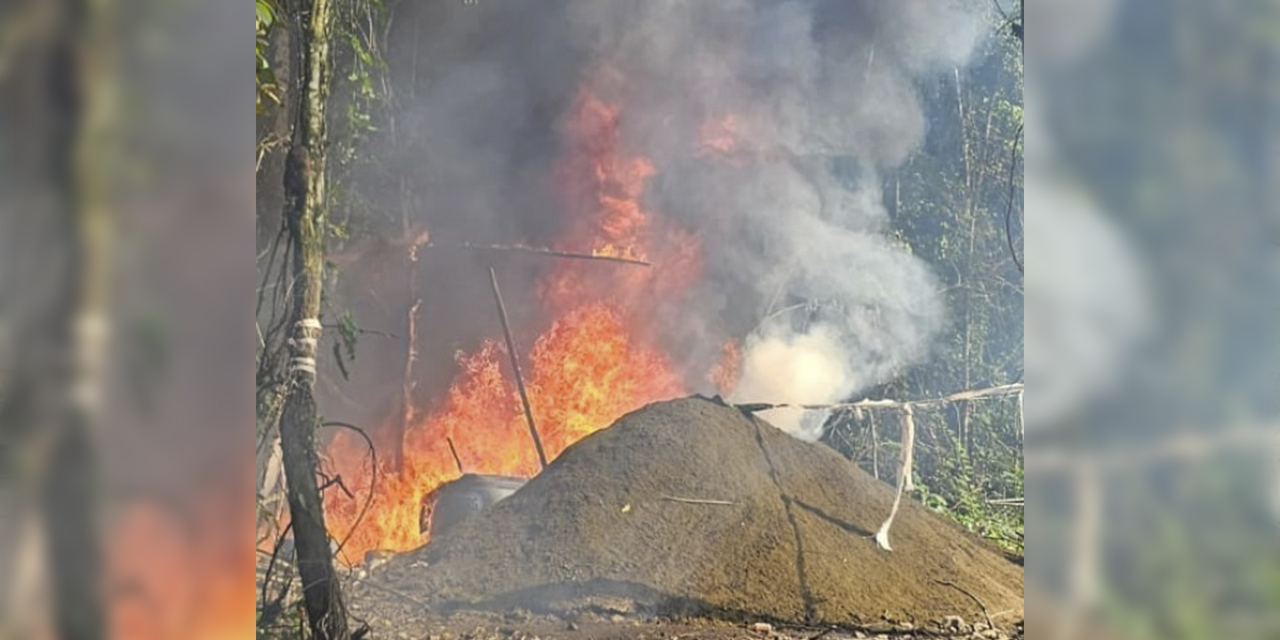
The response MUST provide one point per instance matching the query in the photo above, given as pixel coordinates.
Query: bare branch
(540, 251)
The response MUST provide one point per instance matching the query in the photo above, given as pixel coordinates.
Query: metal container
(457, 500)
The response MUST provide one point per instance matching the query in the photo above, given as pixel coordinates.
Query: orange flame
(174, 576)
(591, 366)
(725, 374)
(720, 135)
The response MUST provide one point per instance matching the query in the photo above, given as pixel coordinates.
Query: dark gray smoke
(818, 99)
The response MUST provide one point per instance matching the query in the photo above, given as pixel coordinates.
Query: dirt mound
(633, 517)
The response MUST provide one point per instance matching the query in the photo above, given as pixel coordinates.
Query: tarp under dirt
(636, 513)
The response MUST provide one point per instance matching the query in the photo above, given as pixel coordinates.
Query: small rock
(762, 627)
(617, 618)
(572, 626)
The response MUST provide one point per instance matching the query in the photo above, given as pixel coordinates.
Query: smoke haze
(769, 125)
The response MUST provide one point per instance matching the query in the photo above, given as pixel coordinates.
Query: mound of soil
(633, 518)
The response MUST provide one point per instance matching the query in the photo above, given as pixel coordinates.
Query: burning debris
(764, 526)
(725, 146)
(736, 151)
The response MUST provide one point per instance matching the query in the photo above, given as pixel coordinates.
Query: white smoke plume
(801, 367)
(818, 99)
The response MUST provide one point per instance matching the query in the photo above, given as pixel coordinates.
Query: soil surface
(690, 509)
(522, 625)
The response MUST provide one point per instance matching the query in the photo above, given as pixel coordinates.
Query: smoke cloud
(801, 367)
(769, 125)
(808, 103)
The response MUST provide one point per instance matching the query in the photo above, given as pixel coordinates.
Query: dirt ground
(522, 625)
(381, 614)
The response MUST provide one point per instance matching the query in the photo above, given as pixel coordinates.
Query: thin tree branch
(373, 479)
(568, 255)
(990, 392)
(980, 603)
(1008, 214)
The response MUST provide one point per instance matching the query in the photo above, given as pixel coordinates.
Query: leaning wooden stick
(456, 459)
(515, 365)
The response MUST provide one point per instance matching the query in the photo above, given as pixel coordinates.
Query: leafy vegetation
(957, 205)
(268, 91)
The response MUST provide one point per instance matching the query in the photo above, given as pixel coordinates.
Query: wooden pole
(80, 60)
(541, 252)
(408, 383)
(456, 459)
(991, 392)
(515, 366)
(1022, 425)
(908, 447)
(875, 448)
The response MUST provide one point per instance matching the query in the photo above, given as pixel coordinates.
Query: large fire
(171, 575)
(592, 364)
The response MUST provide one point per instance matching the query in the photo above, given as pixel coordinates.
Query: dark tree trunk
(78, 99)
(305, 213)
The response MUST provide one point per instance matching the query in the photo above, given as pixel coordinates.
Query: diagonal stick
(515, 365)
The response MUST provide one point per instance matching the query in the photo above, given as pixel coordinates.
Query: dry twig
(697, 501)
(980, 603)
(456, 459)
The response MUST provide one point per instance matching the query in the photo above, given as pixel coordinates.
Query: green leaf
(266, 16)
(348, 331)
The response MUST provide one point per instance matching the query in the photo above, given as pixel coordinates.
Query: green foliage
(348, 333)
(963, 494)
(268, 91)
(948, 203)
(360, 95)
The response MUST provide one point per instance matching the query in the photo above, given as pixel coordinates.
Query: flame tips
(587, 369)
